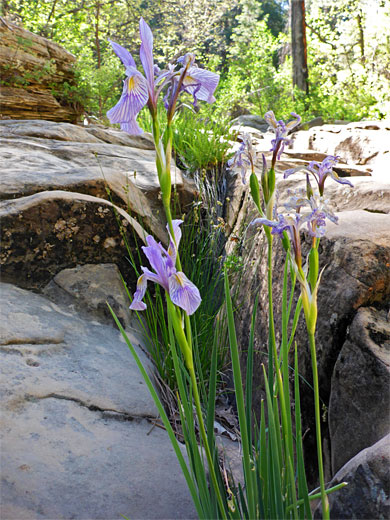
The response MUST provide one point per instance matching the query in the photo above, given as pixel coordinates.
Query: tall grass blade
(163, 416)
(274, 446)
(246, 447)
(249, 374)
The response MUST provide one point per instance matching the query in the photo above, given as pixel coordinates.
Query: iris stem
(283, 389)
(205, 441)
(187, 352)
(271, 325)
(324, 498)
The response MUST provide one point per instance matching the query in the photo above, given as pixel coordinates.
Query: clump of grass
(199, 141)
(201, 149)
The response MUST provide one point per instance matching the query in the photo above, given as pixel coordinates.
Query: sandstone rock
(49, 231)
(252, 121)
(48, 130)
(367, 194)
(115, 136)
(76, 434)
(62, 156)
(89, 288)
(364, 143)
(63, 460)
(359, 399)
(33, 72)
(367, 494)
(49, 350)
(292, 159)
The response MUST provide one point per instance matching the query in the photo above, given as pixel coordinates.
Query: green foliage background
(246, 41)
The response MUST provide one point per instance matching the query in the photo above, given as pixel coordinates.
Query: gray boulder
(367, 494)
(359, 399)
(77, 434)
(251, 121)
(89, 288)
(317, 121)
(61, 156)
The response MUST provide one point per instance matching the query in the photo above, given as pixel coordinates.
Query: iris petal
(123, 54)
(134, 97)
(137, 304)
(122, 113)
(290, 171)
(146, 52)
(174, 244)
(270, 119)
(201, 83)
(292, 124)
(132, 127)
(154, 253)
(340, 180)
(184, 293)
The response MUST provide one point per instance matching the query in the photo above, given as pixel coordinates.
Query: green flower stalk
(304, 209)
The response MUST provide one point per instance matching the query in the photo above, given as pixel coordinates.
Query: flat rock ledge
(78, 430)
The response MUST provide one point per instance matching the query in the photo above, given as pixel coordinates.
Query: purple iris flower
(139, 89)
(281, 130)
(321, 171)
(292, 223)
(245, 156)
(200, 83)
(181, 290)
(300, 211)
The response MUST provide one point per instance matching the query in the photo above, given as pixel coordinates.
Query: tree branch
(320, 37)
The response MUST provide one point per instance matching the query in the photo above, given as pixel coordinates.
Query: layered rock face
(353, 329)
(58, 209)
(34, 72)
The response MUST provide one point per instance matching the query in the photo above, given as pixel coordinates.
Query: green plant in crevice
(305, 208)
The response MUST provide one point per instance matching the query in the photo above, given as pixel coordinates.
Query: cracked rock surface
(77, 430)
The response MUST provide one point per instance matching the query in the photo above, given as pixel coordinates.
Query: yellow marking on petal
(132, 84)
(140, 280)
(180, 279)
(189, 80)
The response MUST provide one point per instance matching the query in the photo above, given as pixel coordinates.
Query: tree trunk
(298, 45)
(97, 41)
(361, 35)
